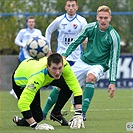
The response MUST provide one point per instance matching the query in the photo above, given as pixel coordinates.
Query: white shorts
(81, 70)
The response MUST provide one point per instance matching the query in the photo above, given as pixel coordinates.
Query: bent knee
(91, 78)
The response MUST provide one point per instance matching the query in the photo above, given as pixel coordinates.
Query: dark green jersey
(33, 75)
(102, 47)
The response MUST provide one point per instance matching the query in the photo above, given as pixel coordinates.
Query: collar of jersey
(72, 18)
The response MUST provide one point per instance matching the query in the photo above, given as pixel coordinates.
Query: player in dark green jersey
(103, 47)
(30, 76)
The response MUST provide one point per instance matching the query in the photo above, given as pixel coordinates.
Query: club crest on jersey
(31, 86)
(75, 26)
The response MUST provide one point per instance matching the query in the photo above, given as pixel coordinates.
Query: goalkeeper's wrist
(33, 125)
(78, 112)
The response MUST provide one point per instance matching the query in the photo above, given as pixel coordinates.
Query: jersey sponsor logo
(64, 25)
(68, 40)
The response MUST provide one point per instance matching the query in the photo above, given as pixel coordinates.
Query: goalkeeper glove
(43, 126)
(76, 121)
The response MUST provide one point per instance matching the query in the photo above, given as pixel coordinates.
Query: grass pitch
(105, 115)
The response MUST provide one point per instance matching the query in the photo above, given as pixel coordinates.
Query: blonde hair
(104, 8)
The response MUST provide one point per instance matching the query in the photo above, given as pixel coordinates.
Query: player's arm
(19, 37)
(114, 57)
(34, 125)
(26, 99)
(39, 32)
(71, 79)
(84, 23)
(28, 95)
(50, 29)
(77, 120)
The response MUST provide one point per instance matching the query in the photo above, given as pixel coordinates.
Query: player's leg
(20, 121)
(93, 75)
(12, 90)
(64, 95)
(87, 97)
(13, 93)
(52, 98)
(80, 72)
(35, 106)
(71, 63)
(18, 90)
(72, 104)
(36, 109)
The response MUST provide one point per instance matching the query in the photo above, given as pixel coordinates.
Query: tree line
(13, 15)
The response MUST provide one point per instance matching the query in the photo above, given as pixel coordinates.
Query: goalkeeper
(30, 76)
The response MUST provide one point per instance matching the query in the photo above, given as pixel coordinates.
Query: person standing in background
(24, 35)
(21, 39)
(68, 26)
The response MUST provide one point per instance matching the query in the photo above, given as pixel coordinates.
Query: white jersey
(21, 39)
(68, 28)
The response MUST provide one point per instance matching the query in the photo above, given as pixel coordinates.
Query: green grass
(106, 115)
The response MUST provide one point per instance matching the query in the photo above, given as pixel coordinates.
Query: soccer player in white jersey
(21, 39)
(68, 26)
(24, 35)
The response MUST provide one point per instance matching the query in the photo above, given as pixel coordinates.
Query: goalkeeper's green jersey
(102, 47)
(33, 75)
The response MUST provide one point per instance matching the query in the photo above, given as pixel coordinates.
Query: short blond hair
(104, 8)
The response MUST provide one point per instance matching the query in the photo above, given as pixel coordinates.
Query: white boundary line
(123, 109)
(128, 109)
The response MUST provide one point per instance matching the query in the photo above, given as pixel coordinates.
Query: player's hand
(76, 121)
(111, 90)
(44, 126)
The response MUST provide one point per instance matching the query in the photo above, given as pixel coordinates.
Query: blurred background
(13, 14)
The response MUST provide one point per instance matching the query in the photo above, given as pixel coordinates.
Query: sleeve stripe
(113, 68)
